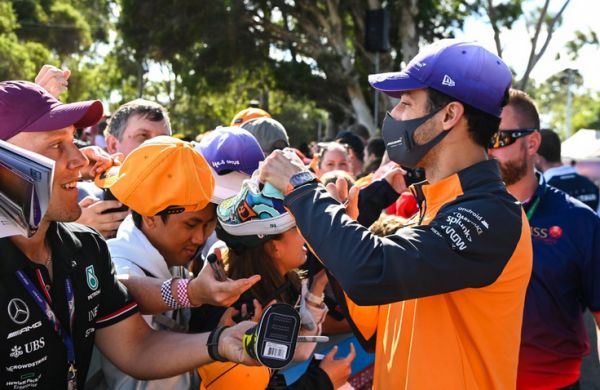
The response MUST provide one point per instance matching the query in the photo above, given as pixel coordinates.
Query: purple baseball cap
(27, 107)
(233, 155)
(463, 70)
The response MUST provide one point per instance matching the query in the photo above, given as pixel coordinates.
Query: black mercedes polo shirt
(32, 354)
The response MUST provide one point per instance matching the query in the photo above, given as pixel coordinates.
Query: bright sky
(579, 15)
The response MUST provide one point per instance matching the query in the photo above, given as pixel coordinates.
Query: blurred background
(305, 62)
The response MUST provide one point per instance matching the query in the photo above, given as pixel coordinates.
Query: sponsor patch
(18, 311)
(549, 235)
(26, 381)
(92, 280)
(93, 295)
(26, 365)
(27, 348)
(26, 329)
(89, 332)
(92, 314)
(460, 226)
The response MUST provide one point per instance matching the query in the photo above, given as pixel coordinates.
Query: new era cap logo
(448, 81)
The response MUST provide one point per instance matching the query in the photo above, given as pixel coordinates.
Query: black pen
(215, 264)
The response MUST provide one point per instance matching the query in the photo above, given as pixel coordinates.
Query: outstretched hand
(206, 289)
(53, 79)
(338, 370)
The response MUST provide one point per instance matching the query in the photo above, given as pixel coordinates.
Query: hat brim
(227, 185)
(394, 83)
(80, 114)
(107, 178)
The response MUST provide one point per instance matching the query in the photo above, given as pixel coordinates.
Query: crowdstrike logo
(448, 81)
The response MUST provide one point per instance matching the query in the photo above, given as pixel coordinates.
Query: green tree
(18, 60)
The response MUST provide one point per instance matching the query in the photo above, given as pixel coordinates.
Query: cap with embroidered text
(463, 70)
(233, 155)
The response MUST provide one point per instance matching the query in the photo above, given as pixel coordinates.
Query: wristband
(182, 294)
(167, 295)
(314, 299)
(212, 344)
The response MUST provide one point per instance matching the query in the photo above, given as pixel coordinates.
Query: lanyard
(532, 209)
(65, 335)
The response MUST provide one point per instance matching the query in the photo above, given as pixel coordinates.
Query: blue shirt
(564, 283)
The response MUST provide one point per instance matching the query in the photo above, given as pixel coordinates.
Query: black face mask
(400, 143)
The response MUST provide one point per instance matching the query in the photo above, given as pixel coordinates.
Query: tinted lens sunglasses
(508, 137)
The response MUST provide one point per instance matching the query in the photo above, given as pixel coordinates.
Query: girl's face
(288, 251)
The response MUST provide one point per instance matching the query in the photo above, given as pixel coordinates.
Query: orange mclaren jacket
(441, 300)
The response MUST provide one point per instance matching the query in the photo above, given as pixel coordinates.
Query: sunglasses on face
(508, 137)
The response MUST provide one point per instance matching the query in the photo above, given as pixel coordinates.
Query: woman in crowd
(261, 237)
(333, 156)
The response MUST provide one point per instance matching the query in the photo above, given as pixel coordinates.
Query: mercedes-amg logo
(18, 311)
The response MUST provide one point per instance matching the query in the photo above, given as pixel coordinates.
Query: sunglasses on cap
(508, 137)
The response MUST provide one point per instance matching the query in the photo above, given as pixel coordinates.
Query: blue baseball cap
(463, 70)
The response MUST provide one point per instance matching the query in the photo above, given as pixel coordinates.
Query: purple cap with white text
(230, 149)
(233, 155)
(463, 70)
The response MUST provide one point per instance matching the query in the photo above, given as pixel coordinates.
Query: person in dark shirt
(564, 177)
(58, 290)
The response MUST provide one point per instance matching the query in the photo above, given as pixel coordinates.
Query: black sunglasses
(508, 137)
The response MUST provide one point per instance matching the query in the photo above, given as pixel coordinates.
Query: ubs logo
(30, 347)
(18, 311)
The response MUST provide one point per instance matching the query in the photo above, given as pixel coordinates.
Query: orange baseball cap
(247, 114)
(164, 175)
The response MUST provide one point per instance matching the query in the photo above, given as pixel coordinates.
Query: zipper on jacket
(417, 191)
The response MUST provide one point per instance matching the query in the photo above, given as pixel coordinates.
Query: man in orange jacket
(446, 292)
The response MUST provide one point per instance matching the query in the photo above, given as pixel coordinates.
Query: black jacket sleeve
(467, 244)
(373, 199)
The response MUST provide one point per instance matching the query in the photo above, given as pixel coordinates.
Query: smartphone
(108, 195)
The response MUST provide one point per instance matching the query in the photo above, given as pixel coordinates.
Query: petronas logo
(92, 280)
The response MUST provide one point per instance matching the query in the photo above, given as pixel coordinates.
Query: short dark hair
(550, 146)
(481, 124)
(360, 130)
(137, 219)
(525, 106)
(144, 108)
(376, 146)
(354, 142)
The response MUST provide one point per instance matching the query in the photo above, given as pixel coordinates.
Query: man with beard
(441, 300)
(566, 257)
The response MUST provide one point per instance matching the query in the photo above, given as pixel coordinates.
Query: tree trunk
(408, 30)
(360, 106)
